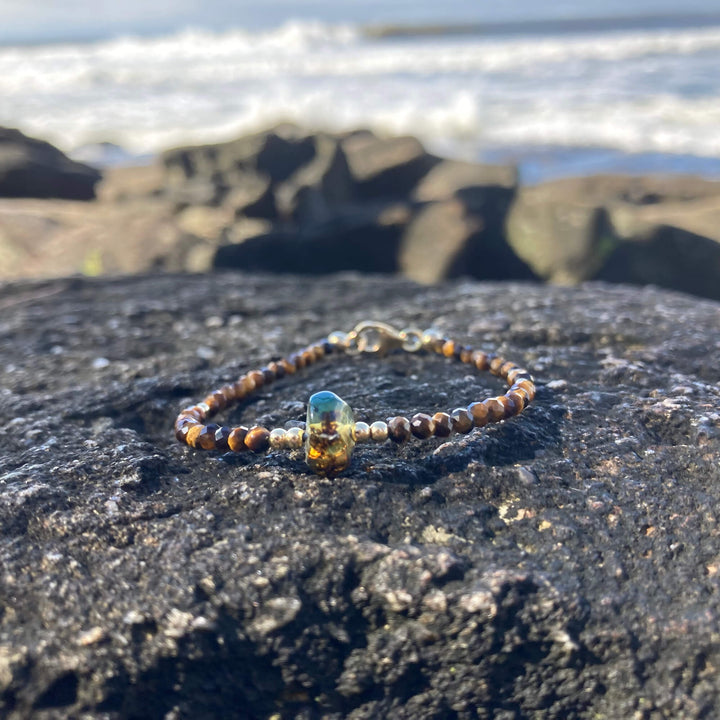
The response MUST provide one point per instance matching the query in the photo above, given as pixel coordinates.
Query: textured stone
(563, 563)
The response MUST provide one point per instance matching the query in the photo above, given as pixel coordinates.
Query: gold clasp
(372, 336)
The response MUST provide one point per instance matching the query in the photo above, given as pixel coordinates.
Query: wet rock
(36, 169)
(564, 563)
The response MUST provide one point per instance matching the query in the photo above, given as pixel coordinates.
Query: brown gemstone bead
(398, 429)
(318, 351)
(462, 420)
(308, 356)
(466, 354)
(257, 377)
(297, 360)
(287, 366)
(479, 413)
(216, 402)
(191, 412)
(443, 424)
(495, 409)
(278, 368)
(229, 394)
(506, 368)
(269, 375)
(495, 364)
(257, 439)
(448, 348)
(182, 427)
(521, 391)
(480, 360)
(422, 426)
(236, 439)
(508, 405)
(519, 398)
(192, 435)
(221, 438)
(206, 438)
(526, 385)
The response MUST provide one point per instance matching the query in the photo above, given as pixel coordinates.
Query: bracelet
(330, 432)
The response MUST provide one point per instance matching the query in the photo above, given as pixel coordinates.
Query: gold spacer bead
(362, 432)
(294, 438)
(277, 438)
(379, 431)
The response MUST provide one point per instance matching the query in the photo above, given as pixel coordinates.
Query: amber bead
(480, 360)
(192, 435)
(221, 438)
(258, 439)
(398, 429)
(443, 424)
(448, 348)
(495, 409)
(236, 439)
(479, 413)
(422, 426)
(462, 420)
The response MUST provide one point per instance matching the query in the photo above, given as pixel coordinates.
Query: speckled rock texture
(562, 564)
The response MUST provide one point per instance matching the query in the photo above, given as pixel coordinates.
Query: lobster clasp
(371, 336)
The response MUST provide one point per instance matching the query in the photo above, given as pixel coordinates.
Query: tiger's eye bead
(523, 393)
(244, 386)
(294, 438)
(257, 439)
(236, 439)
(379, 431)
(448, 348)
(443, 424)
(508, 405)
(479, 413)
(269, 375)
(296, 359)
(330, 434)
(206, 438)
(216, 402)
(462, 420)
(257, 377)
(422, 426)
(221, 438)
(528, 386)
(362, 432)
(318, 351)
(495, 409)
(308, 356)
(480, 360)
(466, 354)
(495, 364)
(398, 429)
(229, 393)
(277, 438)
(192, 435)
(287, 366)
(506, 368)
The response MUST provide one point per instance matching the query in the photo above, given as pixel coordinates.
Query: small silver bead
(379, 431)
(362, 432)
(294, 438)
(277, 439)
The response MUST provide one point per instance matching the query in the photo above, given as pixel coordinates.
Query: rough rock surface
(564, 564)
(35, 168)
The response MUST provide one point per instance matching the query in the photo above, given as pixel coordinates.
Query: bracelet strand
(331, 432)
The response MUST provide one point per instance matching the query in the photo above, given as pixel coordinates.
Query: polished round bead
(221, 438)
(443, 424)
(278, 369)
(462, 420)
(519, 398)
(294, 438)
(287, 366)
(466, 354)
(422, 426)
(192, 435)
(479, 413)
(495, 409)
(379, 431)
(244, 386)
(206, 438)
(236, 439)
(523, 392)
(258, 439)
(308, 356)
(277, 438)
(398, 429)
(318, 351)
(526, 385)
(362, 432)
(297, 360)
(269, 375)
(229, 393)
(506, 368)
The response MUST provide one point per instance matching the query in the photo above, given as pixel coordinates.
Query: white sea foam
(634, 91)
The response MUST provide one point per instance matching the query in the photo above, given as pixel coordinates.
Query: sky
(46, 20)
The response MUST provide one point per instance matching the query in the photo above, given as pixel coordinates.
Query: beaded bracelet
(330, 431)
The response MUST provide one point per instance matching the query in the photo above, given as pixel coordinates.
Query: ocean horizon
(617, 87)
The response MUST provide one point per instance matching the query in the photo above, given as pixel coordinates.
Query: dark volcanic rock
(564, 564)
(36, 169)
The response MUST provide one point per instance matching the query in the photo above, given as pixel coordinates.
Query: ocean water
(558, 93)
